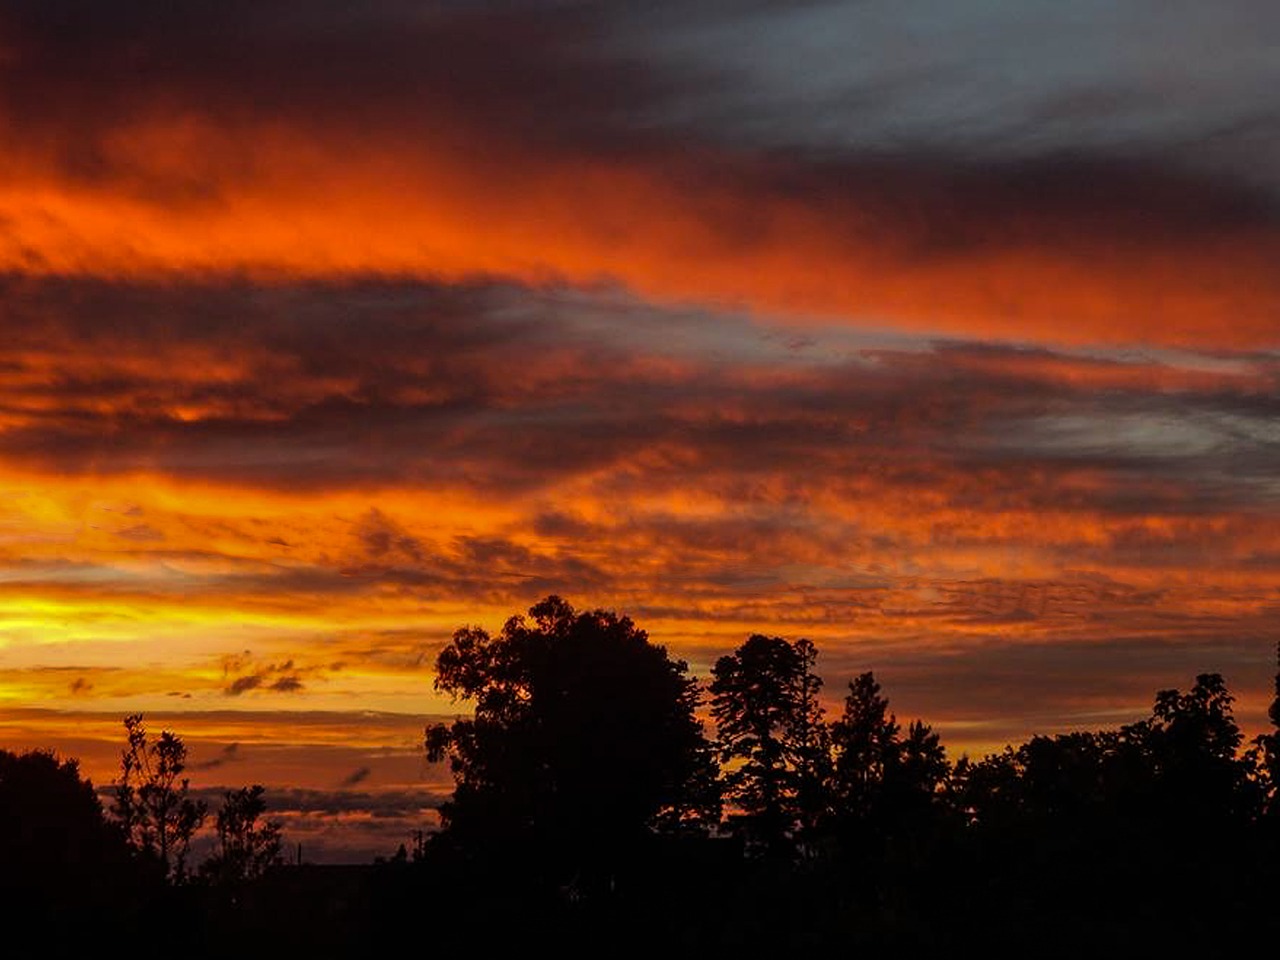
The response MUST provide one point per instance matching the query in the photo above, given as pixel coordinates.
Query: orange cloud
(496, 143)
(988, 253)
(309, 362)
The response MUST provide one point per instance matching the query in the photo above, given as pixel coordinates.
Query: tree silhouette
(59, 854)
(920, 771)
(583, 741)
(1055, 785)
(246, 847)
(585, 748)
(864, 742)
(1124, 830)
(882, 784)
(772, 739)
(1181, 765)
(1192, 744)
(1265, 754)
(152, 799)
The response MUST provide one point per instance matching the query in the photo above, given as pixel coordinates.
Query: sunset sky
(946, 335)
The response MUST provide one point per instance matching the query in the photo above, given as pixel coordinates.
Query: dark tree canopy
(584, 739)
(59, 854)
(864, 742)
(1179, 766)
(880, 779)
(764, 700)
(1192, 742)
(584, 787)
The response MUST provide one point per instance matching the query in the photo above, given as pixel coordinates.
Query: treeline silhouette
(594, 809)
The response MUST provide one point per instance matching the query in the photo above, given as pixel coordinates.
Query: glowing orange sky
(314, 354)
(703, 229)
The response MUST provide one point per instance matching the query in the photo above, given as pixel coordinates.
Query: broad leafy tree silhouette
(1123, 835)
(60, 857)
(1180, 767)
(583, 743)
(1193, 743)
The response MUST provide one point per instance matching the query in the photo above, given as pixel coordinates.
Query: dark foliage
(1264, 755)
(764, 699)
(884, 787)
(583, 743)
(585, 789)
(152, 801)
(60, 857)
(247, 846)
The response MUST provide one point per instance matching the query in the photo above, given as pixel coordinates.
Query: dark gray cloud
(242, 684)
(984, 76)
(498, 388)
(505, 392)
(383, 803)
(359, 775)
(230, 754)
(875, 74)
(244, 674)
(383, 538)
(907, 162)
(529, 73)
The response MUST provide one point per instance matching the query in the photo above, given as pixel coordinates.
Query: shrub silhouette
(152, 799)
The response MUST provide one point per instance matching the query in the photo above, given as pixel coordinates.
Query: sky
(943, 334)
